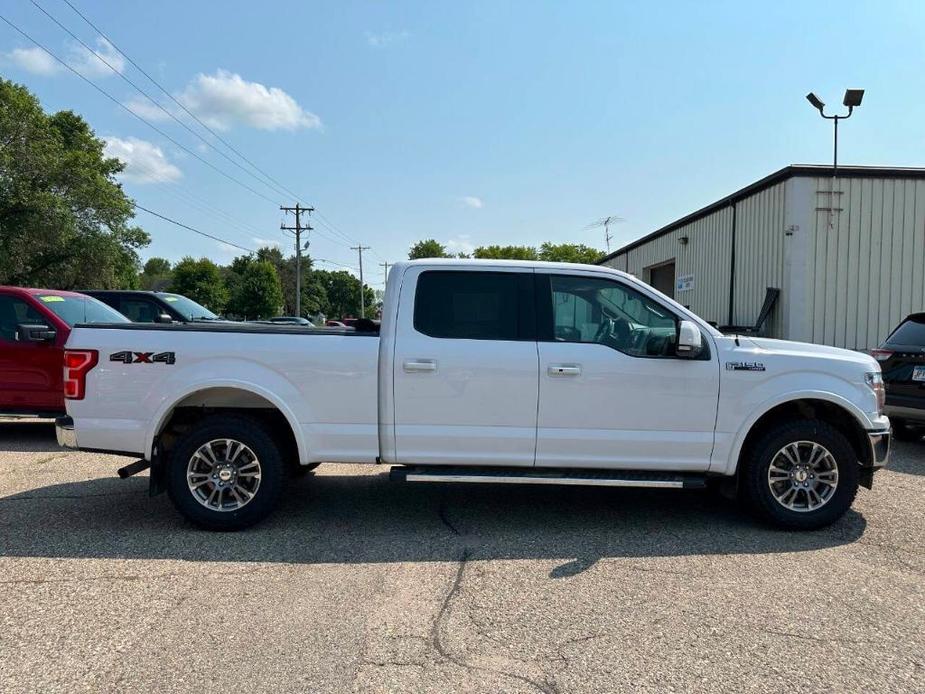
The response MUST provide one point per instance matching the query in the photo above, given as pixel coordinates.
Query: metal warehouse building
(847, 254)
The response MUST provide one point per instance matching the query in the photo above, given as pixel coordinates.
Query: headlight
(874, 381)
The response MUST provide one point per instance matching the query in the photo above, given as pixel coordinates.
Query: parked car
(902, 360)
(34, 325)
(290, 320)
(331, 323)
(152, 307)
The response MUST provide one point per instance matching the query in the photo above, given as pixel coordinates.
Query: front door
(612, 391)
(465, 368)
(30, 372)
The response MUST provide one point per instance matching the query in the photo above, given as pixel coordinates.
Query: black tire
(756, 492)
(272, 472)
(904, 431)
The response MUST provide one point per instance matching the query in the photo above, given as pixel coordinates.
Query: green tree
(200, 280)
(428, 248)
(156, 274)
(570, 253)
(343, 294)
(506, 253)
(254, 288)
(64, 219)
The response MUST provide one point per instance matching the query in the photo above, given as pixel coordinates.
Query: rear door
(30, 372)
(465, 367)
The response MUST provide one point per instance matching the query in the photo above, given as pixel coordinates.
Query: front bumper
(879, 448)
(65, 433)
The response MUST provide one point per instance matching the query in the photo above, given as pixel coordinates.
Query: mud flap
(158, 480)
(866, 478)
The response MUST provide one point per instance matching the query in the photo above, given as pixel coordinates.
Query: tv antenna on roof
(605, 222)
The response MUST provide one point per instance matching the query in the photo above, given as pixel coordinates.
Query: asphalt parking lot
(359, 584)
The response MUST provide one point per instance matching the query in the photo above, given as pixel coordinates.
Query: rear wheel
(801, 475)
(226, 473)
(904, 431)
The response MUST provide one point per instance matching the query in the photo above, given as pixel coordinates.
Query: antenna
(605, 222)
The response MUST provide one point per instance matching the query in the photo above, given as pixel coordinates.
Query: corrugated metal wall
(707, 256)
(867, 258)
(760, 237)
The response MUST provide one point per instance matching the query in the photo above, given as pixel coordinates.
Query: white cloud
(144, 108)
(34, 60)
(472, 201)
(265, 243)
(91, 63)
(225, 99)
(385, 38)
(144, 161)
(461, 244)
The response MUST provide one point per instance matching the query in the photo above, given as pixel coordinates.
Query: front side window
(601, 311)
(474, 305)
(139, 311)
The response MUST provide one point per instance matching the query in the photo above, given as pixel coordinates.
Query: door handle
(564, 370)
(415, 365)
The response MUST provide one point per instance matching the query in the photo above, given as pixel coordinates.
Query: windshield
(81, 309)
(188, 308)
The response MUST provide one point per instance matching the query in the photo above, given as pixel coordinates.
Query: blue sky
(475, 122)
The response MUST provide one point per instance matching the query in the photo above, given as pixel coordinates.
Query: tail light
(881, 354)
(77, 363)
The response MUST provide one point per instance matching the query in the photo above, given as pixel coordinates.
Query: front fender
(732, 428)
(260, 381)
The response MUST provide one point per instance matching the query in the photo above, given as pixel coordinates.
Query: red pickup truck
(34, 325)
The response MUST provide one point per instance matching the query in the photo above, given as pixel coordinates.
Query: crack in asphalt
(441, 511)
(546, 686)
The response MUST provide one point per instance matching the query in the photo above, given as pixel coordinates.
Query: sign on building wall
(685, 283)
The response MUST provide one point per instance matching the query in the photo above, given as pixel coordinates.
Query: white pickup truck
(483, 371)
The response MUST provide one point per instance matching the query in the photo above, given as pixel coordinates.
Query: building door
(662, 278)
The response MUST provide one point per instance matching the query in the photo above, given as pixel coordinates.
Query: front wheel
(226, 473)
(801, 475)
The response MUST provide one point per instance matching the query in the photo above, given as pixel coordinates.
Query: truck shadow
(28, 435)
(366, 518)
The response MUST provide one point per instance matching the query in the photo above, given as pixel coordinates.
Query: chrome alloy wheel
(223, 475)
(803, 476)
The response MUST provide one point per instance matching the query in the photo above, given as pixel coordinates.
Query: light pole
(852, 99)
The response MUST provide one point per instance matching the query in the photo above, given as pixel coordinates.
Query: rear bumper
(65, 433)
(879, 448)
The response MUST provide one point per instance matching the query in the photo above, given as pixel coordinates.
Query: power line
(279, 189)
(193, 229)
(141, 118)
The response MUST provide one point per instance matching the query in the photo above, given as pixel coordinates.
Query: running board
(588, 478)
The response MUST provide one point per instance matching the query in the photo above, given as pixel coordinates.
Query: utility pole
(360, 249)
(298, 229)
(385, 270)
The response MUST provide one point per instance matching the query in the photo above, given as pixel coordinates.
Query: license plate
(918, 373)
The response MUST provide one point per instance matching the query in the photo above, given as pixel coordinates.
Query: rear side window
(909, 332)
(475, 305)
(81, 309)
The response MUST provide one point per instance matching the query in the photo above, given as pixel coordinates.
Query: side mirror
(690, 340)
(163, 318)
(29, 332)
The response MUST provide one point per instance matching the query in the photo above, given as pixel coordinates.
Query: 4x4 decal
(127, 357)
